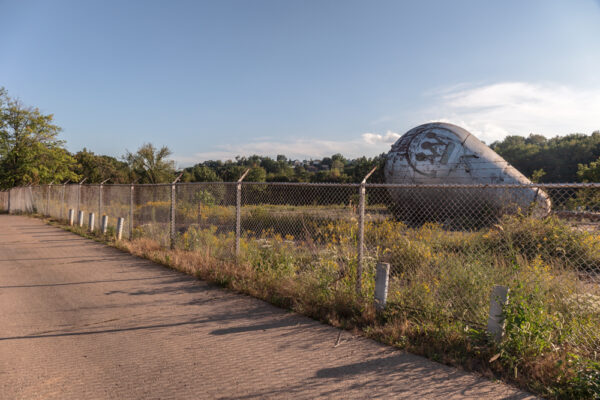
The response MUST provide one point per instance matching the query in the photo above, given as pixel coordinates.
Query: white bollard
(382, 279)
(80, 218)
(91, 222)
(71, 216)
(104, 226)
(120, 223)
(498, 300)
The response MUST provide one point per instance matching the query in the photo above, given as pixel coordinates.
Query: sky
(212, 80)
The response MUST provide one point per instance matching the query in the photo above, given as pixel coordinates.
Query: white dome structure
(445, 154)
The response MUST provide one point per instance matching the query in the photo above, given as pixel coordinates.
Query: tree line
(32, 153)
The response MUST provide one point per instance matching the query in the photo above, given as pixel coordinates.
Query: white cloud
(519, 108)
(374, 138)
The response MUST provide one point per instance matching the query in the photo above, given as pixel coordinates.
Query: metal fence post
(131, 212)
(48, 188)
(238, 213)
(100, 201)
(361, 231)
(63, 206)
(79, 195)
(33, 205)
(172, 216)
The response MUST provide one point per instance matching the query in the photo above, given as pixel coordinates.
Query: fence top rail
(333, 184)
(489, 185)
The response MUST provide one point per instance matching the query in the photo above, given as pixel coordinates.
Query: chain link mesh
(447, 245)
(205, 216)
(151, 214)
(4, 197)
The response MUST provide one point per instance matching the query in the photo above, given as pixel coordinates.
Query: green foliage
(589, 172)
(530, 329)
(537, 175)
(201, 173)
(330, 169)
(256, 174)
(559, 157)
(30, 151)
(580, 378)
(204, 197)
(150, 164)
(98, 168)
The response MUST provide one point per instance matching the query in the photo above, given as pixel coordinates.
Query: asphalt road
(80, 320)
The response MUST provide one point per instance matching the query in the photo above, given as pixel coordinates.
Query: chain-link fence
(4, 195)
(447, 245)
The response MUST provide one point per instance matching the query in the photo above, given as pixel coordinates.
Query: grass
(439, 290)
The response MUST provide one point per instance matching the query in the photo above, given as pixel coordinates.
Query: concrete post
(238, 213)
(100, 199)
(498, 299)
(120, 223)
(71, 216)
(382, 279)
(80, 218)
(361, 231)
(91, 222)
(104, 224)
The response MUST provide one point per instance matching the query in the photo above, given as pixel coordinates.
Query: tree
(202, 173)
(29, 149)
(558, 157)
(97, 168)
(256, 174)
(589, 172)
(150, 165)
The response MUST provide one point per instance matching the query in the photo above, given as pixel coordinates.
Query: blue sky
(303, 78)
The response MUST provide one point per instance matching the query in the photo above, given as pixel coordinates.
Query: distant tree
(256, 174)
(231, 172)
(97, 168)
(150, 165)
(202, 173)
(30, 151)
(589, 172)
(270, 165)
(559, 157)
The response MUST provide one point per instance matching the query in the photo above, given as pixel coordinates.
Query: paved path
(80, 320)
